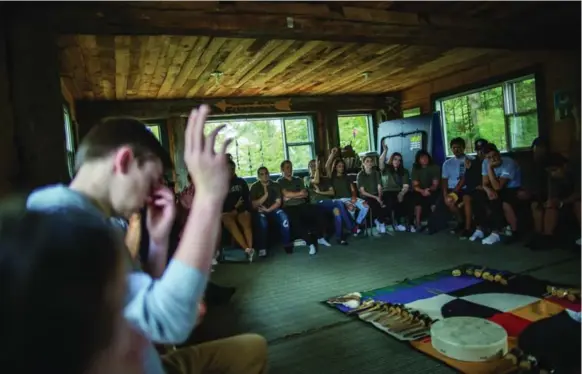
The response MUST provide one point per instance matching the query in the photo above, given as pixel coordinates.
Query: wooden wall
(559, 72)
(32, 134)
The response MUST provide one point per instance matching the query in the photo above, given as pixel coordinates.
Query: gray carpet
(280, 298)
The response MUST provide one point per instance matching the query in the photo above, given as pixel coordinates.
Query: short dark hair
(262, 168)
(458, 141)
(480, 143)
(417, 157)
(285, 162)
(490, 147)
(55, 271)
(231, 162)
(113, 133)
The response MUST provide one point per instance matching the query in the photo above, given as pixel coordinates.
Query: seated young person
(454, 186)
(119, 166)
(266, 200)
(306, 220)
(501, 183)
(321, 193)
(49, 294)
(563, 193)
(347, 193)
(395, 188)
(236, 216)
(425, 182)
(370, 186)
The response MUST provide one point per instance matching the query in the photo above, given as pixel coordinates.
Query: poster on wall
(563, 105)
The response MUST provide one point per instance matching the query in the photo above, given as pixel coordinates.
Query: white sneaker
(400, 228)
(312, 249)
(299, 243)
(478, 234)
(382, 229)
(262, 252)
(214, 262)
(412, 228)
(491, 239)
(322, 241)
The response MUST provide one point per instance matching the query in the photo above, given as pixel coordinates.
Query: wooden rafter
(323, 21)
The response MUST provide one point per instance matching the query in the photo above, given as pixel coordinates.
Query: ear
(123, 158)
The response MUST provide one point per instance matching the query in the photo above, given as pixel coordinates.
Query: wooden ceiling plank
(288, 61)
(203, 62)
(168, 51)
(190, 63)
(155, 46)
(137, 66)
(231, 62)
(220, 53)
(314, 66)
(358, 69)
(122, 61)
(186, 45)
(106, 45)
(278, 51)
(90, 52)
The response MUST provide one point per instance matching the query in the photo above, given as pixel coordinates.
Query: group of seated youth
(482, 192)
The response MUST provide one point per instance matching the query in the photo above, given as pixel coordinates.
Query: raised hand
(161, 212)
(206, 166)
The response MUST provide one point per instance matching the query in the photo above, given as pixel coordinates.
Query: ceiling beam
(305, 21)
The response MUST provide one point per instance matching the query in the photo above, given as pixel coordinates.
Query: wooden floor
(280, 298)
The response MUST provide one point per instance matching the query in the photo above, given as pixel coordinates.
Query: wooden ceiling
(168, 50)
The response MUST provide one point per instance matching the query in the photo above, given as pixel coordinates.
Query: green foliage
(411, 112)
(482, 115)
(259, 142)
(354, 130)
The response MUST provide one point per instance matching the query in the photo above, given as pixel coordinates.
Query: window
(355, 130)
(505, 114)
(69, 140)
(411, 112)
(155, 129)
(267, 142)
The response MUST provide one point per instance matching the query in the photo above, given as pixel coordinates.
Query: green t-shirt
(324, 185)
(370, 181)
(293, 185)
(341, 186)
(392, 181)
(258, 190)
(426, 175)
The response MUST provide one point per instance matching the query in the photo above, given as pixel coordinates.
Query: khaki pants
(241, 354)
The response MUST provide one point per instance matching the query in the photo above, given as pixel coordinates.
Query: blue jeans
(279, 217)
(340, 216)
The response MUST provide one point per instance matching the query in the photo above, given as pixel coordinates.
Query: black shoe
(288, 249)
(342, 242)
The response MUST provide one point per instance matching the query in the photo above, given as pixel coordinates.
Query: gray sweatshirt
(164, 309)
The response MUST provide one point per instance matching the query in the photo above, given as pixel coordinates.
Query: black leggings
(377, 212)
(399, 209)
(307, 222)
(488, 213)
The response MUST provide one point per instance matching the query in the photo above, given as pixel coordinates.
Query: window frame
(411, 109)
(163, 130)
(70, 137)
(370, 123)
(312, 135)
(507, 84)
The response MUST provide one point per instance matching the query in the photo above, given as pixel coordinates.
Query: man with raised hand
(119, 168)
